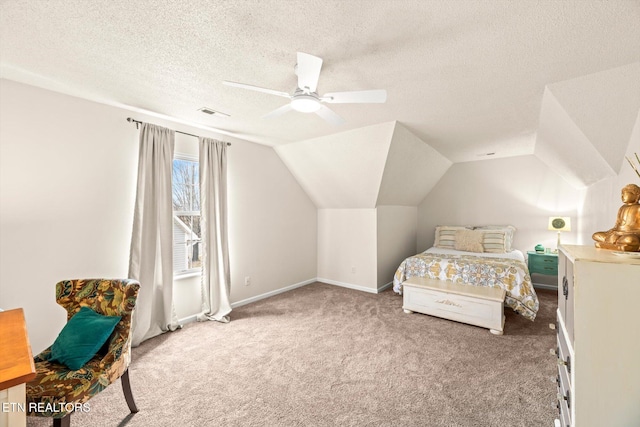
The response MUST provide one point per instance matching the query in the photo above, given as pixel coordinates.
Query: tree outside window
(186, 216)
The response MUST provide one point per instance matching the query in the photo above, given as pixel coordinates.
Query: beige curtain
(151, 258)
(216, 280)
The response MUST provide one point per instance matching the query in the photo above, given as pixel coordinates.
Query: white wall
(272, 224)
(362, 248)
(397, 228)
(347, 248)
(67, 185)
(521, 191)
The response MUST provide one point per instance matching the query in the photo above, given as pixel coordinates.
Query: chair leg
(128, 395)
(62, 422)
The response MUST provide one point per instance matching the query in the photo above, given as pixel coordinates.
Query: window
(186, 216)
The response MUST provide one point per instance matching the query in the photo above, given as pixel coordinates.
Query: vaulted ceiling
(466, 77)
(373, 166)
(586, 124)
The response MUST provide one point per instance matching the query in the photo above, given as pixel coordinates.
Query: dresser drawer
(565, 419)
(543, 264)
(564, 358)
(565, 366)
(564, 396)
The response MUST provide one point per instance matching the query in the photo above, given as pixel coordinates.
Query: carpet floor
(322, 355)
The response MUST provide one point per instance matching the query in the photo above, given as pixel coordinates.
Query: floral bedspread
(508, 274)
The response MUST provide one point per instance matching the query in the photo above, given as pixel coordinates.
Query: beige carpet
(322, 355)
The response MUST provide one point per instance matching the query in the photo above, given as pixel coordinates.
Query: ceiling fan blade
(331, 117)
(356, 97)
(278, 112)
(257, 88)
(308, 71)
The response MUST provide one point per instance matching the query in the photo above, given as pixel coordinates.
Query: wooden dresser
(16, 368)
(598, 338)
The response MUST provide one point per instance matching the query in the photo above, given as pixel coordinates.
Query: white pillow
(495, 241)
(509, 230)
(469, 240)
(446, 236)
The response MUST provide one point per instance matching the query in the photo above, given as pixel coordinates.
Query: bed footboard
(475, 305)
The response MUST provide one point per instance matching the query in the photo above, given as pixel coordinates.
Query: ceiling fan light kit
(305, 99)
(305, 103)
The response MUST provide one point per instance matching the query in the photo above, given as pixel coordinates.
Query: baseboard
(192, 318)
(188, 319)
(545, 286)
(272, 293)
(348, 285)
(384, 287)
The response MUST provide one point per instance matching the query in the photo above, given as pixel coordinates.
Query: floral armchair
(57, 390)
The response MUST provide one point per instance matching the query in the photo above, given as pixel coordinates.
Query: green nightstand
(543, 263)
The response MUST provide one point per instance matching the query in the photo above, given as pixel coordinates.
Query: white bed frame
(475, 305)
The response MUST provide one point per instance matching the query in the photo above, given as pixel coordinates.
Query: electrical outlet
(247, 280)
(353, 270)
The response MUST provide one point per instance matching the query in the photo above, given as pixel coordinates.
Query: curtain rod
(138, 122)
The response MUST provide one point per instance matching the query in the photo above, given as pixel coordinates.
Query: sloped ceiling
(586, 124)
(343, 170)
(464, 78)
(604, 106)
(363, 168)
(467, 77)
(411, 170)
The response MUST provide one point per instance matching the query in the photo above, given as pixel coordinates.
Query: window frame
(197, 271)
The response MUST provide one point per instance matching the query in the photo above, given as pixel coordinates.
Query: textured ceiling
(466, 77)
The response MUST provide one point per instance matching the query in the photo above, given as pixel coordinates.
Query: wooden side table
(16, 368)
(543, 263)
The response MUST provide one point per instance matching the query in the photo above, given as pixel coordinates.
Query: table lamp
(559, 223)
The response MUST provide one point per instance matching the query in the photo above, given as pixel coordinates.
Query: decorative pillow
(446, 236)
(510, 231)
(82, 337)
(469, 240)
(494, 241)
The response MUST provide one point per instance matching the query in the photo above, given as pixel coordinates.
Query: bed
(493, 266)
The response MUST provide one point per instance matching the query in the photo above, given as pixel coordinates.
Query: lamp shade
(559, 223)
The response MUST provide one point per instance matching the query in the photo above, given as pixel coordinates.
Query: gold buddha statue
(625, 235)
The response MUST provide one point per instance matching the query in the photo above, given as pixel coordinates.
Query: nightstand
(543, 263)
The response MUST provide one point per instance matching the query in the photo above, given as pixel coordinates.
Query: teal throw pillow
(82, 337)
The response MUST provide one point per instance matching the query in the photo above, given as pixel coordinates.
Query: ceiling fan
(305, 99)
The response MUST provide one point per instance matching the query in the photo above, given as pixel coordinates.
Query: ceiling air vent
(212, 112)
